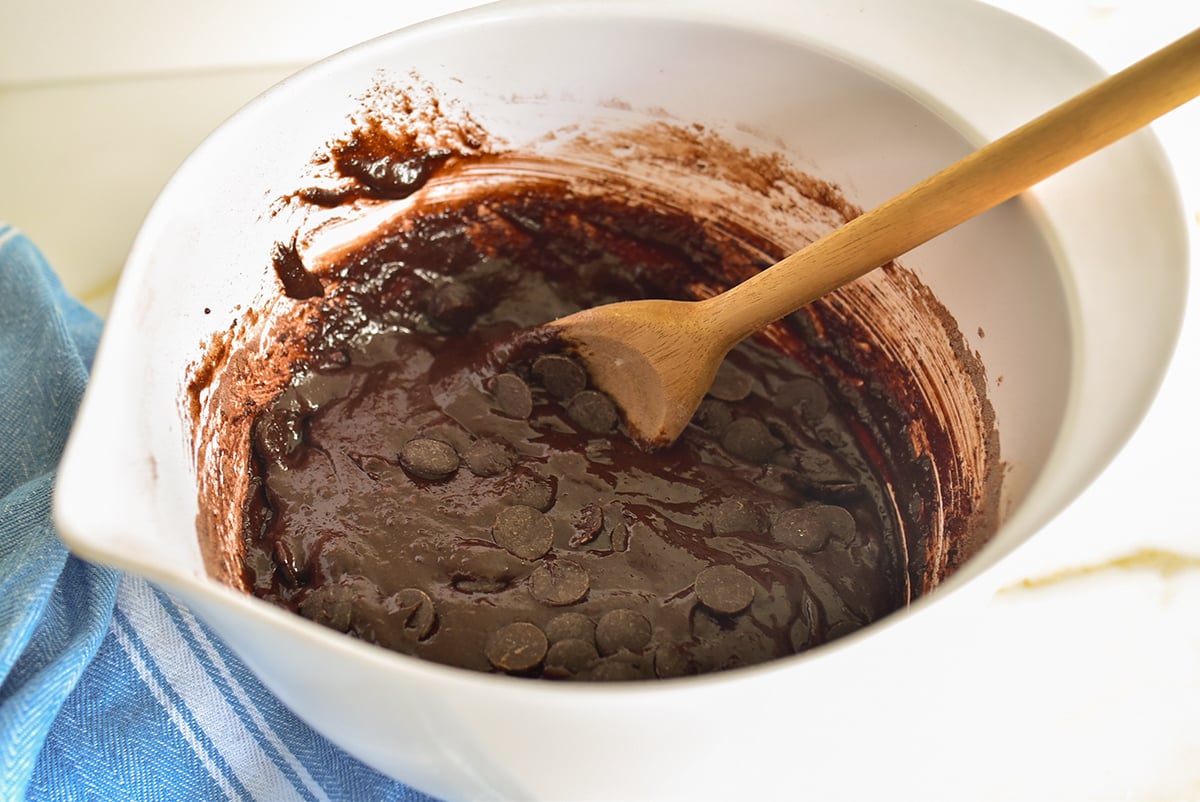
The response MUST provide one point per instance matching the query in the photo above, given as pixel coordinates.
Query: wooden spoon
(657, 359)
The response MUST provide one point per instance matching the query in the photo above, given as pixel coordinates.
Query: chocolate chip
(724, 589)
(488, 458)
(631, 530)
(569, 657)
(426, 458)
(372, 620)
(290, 569)
(730, 383)
(810, 528)
(415, 611)
(452, 307)
(453, 436)
(561, 376)
(617, 520)
(622, 629)
(841, 629)
(839, 521)
(593, 411)
(479, 567)
(480, 585)
(559, 582)
(523, 531)
(588, 523)
(532, 491)
(377, 468)
(750, 439)
(615, 670)
(713, 417)
(802, 529)
(517, 647)
(670, 660)
(567, 626)
(511, 395)
(737, 515)
(329, 606)
(742, 645)
(805, 395)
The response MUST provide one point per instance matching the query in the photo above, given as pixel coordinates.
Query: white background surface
(1097, 619)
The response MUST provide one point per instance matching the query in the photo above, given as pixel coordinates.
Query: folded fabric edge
(57, 608)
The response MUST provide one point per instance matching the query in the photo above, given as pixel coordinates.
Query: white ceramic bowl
(873, 96)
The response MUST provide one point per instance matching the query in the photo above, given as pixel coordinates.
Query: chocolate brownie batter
(440, 482)
(390, 445)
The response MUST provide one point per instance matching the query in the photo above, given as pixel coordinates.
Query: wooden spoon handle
(1108, 111)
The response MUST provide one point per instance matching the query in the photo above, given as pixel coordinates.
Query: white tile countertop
(99, 105)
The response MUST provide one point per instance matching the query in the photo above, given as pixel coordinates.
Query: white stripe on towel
(125, 640)
(248, 703)
(187, 677)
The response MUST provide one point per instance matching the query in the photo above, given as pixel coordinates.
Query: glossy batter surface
(435, 482)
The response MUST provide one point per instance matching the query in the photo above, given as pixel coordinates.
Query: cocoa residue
(297, 282)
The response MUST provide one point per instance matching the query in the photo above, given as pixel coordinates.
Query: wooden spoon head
(655, 359)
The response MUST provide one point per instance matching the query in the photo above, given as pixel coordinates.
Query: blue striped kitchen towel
(109, 688)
